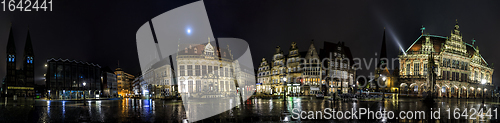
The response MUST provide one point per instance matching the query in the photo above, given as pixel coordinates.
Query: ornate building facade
(294, 73)
(278, 71)
(263, 77)
(19, 82)
(461, 70)
(339, 75)
(205, 71)
(302, 73)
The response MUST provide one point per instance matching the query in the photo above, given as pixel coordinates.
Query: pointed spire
(383, 51)
(11, 45)
(28, 47)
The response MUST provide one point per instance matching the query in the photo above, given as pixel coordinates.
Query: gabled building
(294, 73)
(311, 71)
(278, 72)
(339, 75)
(461, 70)
(263, 77)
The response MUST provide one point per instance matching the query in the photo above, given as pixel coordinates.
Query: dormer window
(195, 50)
(186, 50)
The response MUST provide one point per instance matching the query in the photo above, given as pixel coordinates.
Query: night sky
(104, 32)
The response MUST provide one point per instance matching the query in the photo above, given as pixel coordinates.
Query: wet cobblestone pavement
(253, 110)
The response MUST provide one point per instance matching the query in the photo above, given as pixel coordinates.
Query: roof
(200, 49)
(436, 41)
(471, 50)
(329, 47)
(72, 61)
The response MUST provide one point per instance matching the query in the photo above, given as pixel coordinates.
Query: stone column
(459, 92)
(467, 92)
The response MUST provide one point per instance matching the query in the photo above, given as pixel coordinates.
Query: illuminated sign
(20, 88)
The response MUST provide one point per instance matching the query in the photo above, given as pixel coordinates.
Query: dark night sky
(104, 32)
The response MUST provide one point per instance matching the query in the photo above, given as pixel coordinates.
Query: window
(197, 70)
(198, 85)
(445, 76)
(186, 50)
(195, 50)
(425, 69)
(190, 86)
(475, 75)
(216, 70)
(190, 70)
(182, 70)
(407, 69)
(204, 70)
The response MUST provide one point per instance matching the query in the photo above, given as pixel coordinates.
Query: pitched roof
(436, 41)
(200, 49)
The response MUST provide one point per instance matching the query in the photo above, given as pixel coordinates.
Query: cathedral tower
(11, 60)
(28, 64)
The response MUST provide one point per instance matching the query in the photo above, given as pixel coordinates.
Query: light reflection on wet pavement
(253, 110)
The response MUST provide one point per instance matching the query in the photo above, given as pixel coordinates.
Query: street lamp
(383, 90)
(284, 96)
(483, 82)
(84, 90)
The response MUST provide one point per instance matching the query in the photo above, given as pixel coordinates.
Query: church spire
(383, 51)
(28, 47)
(11, 45)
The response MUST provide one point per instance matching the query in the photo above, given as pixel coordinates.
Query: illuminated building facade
(155, 82)
(124, 81)
(70, 79)
(461, 70)
(205, 71)
(278, 71)
(294, 72)
(263, 77)
(311, 78)
(339, 75)
(19, 82)
(303, 73)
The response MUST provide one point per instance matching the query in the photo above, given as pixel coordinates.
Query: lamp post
(383, 90)
(284, 95)
(284, 90)
(84, 90)
(483, 82)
